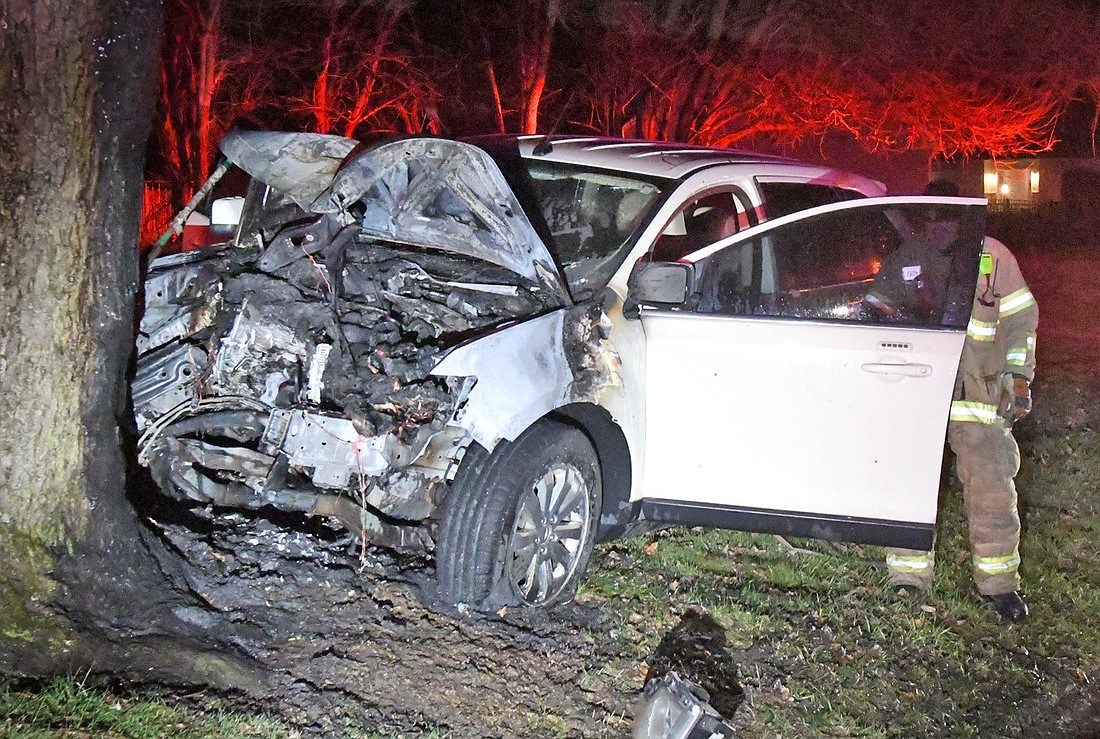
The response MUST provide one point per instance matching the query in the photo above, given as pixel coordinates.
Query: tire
(507, 535)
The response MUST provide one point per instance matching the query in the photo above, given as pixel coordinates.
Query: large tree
(77, 87)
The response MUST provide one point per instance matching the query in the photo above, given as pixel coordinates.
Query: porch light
(1034, 180)
(1004, 189)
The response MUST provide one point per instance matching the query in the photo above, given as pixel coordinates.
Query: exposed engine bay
(294, 366)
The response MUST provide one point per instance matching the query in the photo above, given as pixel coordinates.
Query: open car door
(803, 386)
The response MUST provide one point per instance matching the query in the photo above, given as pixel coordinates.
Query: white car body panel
(629, 407)
(522, 374)
(838, 419)
(526, 370)
(626, 401)
(784, 415)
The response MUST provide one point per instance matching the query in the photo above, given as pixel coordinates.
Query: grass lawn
(823, 648)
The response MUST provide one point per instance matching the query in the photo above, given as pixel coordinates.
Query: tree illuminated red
(892, 75)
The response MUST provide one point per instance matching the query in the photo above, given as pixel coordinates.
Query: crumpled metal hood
(426, 192)
(299, 165)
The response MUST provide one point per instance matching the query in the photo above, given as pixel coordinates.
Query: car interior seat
(673, 242)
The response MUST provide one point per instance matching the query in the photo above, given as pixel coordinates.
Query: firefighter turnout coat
(998, 356)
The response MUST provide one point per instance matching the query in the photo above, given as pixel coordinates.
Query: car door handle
(905, 368)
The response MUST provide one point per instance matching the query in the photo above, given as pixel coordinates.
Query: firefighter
(992, 391)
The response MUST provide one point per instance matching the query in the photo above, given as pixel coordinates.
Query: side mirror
(666, 284)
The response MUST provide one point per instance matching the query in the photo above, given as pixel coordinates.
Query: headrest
(630, 211)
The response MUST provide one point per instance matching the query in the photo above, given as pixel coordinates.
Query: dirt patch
(341, 640)
(697, 649)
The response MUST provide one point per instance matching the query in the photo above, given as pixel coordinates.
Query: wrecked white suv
(508, 351)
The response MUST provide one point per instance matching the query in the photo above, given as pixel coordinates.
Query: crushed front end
(291, 367)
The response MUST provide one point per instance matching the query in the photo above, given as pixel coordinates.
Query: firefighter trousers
(987, 460)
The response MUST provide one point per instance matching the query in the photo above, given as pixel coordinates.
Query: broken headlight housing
(675, 708)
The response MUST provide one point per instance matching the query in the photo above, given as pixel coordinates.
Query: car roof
(652, 158)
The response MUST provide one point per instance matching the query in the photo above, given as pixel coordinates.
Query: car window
(700, 222)
(587, 217)
(907, 264)
(589, 214)
(784, 198)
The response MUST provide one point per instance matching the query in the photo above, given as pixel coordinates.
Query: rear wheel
(518, 525)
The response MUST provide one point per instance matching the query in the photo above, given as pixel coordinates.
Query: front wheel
(518, 525)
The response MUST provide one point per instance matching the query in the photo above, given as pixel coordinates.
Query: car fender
(527, 370)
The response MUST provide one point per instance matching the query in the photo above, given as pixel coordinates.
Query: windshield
(588, 218)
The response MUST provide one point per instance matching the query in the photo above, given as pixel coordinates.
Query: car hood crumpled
(425, 192)
(299, 165)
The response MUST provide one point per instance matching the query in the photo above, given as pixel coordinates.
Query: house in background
(1067, 178)
(1027, 183)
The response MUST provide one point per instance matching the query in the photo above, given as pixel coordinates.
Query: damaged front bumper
(236, 452)
(261, 429)
(245, 433)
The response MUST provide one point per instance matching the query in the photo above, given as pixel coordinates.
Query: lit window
(1034, 180)
(990, 183)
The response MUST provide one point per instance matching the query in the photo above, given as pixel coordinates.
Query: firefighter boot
(1009, 606)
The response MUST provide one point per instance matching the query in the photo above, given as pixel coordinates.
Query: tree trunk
(67, 239)
(77, 86)
(209, 76)
(46, 351)
(535, 82)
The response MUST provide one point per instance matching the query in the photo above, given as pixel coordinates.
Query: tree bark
(77, 87)
(47, 140)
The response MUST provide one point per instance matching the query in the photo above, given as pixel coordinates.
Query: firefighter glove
(1020, 404)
